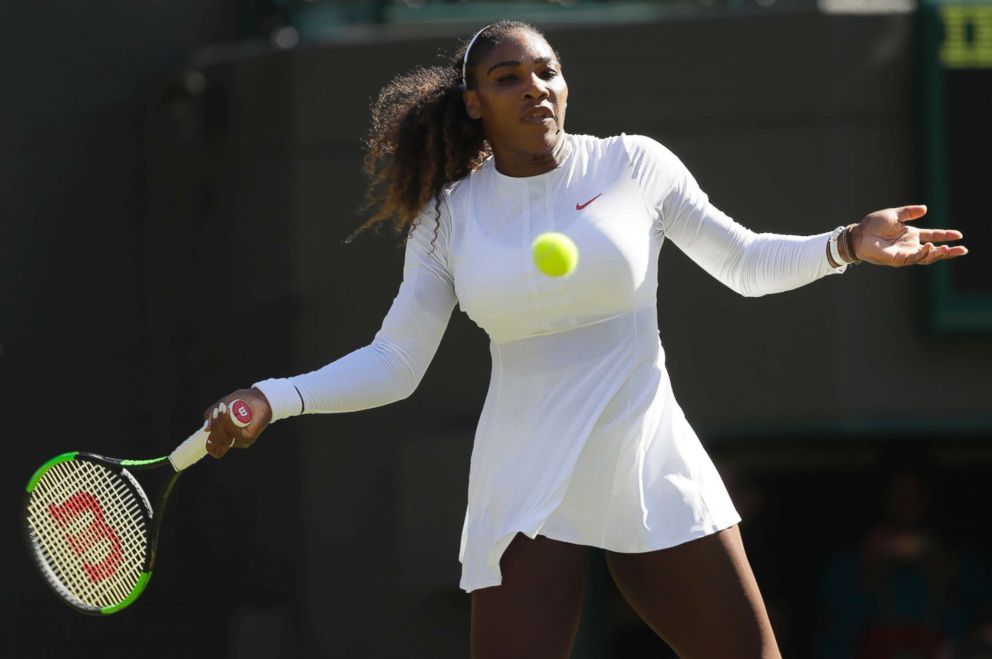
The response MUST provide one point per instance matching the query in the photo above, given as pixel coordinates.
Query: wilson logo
(242, 411)
(97, 530)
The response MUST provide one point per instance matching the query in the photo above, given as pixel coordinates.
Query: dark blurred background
(176, 182)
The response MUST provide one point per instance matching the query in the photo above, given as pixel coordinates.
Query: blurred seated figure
(978, 645)
(903, 592)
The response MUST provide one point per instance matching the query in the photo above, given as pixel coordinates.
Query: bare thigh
(535, 612)
(701, 597)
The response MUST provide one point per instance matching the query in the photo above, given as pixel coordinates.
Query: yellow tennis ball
(555, 254)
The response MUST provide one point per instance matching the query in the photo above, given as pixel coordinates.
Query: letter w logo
(84, 540)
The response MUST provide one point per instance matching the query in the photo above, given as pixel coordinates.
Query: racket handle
(191, 451)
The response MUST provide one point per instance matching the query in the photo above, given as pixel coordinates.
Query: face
(520, 95)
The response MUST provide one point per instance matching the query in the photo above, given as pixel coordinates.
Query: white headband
(467, 49)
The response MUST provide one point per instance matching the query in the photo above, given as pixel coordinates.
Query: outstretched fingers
(942, 253)
(939, 235)
(884, 238)
(908, 213)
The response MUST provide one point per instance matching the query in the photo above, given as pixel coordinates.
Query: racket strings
(89, 532)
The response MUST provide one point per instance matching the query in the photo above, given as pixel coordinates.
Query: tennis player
(581, 442)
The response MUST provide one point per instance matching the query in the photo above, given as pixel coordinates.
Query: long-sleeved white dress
(580, 438)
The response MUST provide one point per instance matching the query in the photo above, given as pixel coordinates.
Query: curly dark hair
(422, 139)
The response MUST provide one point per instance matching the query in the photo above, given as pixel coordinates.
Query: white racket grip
(191, 451)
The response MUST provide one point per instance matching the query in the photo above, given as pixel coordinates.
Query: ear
(471, 99)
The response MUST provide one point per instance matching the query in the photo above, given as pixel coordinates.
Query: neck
(511, 162)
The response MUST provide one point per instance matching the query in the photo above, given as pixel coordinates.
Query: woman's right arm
(388, 369)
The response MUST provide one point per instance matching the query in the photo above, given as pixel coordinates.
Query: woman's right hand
(224, 433)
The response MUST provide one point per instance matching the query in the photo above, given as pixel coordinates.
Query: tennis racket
(90, 527)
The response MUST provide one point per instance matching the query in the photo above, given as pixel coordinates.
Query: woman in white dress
(581, 442)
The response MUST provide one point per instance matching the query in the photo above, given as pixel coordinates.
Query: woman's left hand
(884, 238)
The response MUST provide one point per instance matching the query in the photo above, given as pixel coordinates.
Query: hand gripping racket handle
(191, 451)
(194, 448)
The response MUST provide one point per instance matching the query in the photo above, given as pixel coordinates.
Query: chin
(551, 135)
(540, 144)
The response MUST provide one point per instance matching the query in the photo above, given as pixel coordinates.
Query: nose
(537, 88)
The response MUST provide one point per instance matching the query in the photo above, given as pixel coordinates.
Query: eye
(549, 73)
(510, 77)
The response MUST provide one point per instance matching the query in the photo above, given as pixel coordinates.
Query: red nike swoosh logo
(579, 207)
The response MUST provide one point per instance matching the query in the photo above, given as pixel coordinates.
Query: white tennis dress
(580, 438)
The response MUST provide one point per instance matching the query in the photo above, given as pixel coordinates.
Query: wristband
(834, 251)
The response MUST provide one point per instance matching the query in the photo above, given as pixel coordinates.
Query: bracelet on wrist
(849, 245)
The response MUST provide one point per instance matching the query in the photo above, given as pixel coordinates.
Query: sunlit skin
(520, 96)
(884, 238)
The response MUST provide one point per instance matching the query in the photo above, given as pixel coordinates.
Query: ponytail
(420, 141)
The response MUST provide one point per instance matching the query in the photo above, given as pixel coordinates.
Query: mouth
(539, 115)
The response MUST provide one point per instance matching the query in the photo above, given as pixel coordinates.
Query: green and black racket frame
(91, 529)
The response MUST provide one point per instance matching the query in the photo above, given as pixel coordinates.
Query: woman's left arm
(755, 264)
(885, 238)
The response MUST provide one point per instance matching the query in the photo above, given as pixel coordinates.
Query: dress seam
(616, 468)
(497, 395)
(549, 214)
(632, 168)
